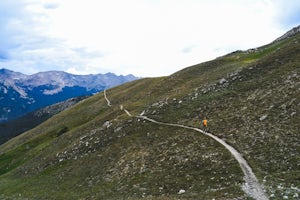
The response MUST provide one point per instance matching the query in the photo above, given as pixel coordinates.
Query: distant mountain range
(20, 93)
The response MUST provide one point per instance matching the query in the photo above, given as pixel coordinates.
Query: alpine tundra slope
(147, 143)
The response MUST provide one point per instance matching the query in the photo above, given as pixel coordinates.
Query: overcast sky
(140, 37)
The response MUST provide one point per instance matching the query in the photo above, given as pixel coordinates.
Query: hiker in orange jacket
(204, 124)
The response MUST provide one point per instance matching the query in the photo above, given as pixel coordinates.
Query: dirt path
(251, 186)
(107, 100)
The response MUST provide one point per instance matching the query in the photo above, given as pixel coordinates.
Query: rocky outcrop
(290, 33)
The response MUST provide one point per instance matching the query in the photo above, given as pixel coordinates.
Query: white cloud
(142, 37)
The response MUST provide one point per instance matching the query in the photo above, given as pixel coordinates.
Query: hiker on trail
(204, 124)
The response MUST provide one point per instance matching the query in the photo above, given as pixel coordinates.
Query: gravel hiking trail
(251, 186)
(107, 100)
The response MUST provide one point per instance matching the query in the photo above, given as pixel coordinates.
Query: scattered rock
(117, 129)
(181, 191)
(107, 124)
(222, 81)
(263, 117)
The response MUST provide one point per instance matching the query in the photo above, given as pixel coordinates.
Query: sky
(146, 38)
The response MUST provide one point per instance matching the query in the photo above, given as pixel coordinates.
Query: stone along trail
(251, 186)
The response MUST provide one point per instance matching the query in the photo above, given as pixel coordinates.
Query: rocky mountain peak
(8, 74)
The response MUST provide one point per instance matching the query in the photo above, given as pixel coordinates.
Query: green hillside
(96, 151)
